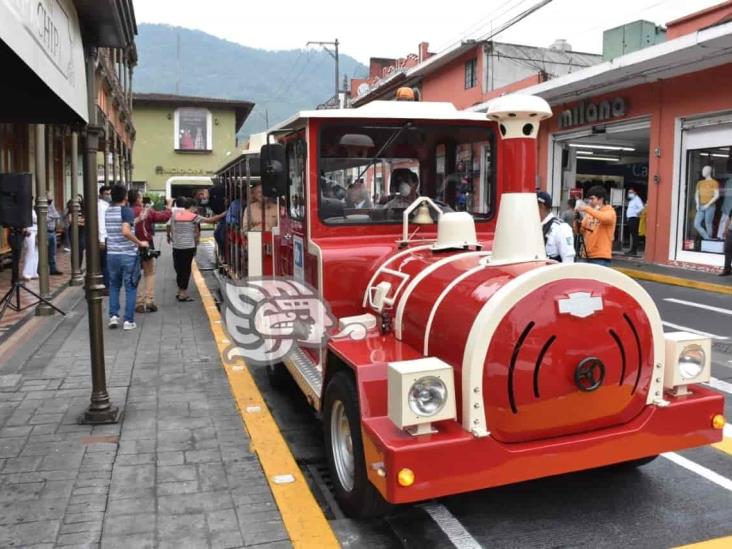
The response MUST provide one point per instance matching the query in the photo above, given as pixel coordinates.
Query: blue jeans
(599, 261)
(708, 217)
(52, 251)
(123, 270)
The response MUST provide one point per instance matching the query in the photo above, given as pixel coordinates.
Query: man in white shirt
(558, 235)
(105, 198)
(632, 214)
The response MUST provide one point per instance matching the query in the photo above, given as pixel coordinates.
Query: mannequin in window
(726, 209)
(707, 193)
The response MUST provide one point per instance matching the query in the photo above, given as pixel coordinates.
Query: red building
(651, 120)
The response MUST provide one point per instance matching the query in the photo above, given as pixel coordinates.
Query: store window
(708, 199)
(471, 77)
(192, 130)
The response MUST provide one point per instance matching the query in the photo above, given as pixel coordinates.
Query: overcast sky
(378, 28)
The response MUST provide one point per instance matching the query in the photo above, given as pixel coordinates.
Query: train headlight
(427, 396)
(420, 391)
(688, 361)
(691, 361)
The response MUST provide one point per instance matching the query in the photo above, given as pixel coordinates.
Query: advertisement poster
(298, 258)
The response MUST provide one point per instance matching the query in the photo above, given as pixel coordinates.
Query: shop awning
(42, 59)
(691, 53)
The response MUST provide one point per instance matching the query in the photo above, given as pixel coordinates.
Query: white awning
(687, 54)
(45, 34)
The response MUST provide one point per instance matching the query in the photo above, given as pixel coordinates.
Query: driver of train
(407, 183)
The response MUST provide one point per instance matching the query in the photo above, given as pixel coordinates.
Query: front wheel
(344, 450)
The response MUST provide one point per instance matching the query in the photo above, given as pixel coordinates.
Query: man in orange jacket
(598, 227)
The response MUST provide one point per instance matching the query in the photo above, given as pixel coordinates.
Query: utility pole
(334, 55)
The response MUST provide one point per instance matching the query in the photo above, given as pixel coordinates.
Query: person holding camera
(123, 258)
(598, 227)
(145, 218)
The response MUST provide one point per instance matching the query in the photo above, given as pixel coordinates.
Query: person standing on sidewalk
(727, 270)
(598, 227)
(51, 222)
(183, 230)
(105, 197)
(633, 213)
(30, 262)
(145, 219)
(123, 258)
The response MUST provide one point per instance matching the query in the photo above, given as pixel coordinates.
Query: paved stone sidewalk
(176, 472)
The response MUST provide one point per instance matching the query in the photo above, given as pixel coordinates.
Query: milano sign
(591, 112)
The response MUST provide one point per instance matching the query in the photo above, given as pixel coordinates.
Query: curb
(676, 281)
(303, 518)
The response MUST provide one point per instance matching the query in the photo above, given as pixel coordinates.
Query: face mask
(107, 199)
(631, 195)
(204, 202)
(404, 189)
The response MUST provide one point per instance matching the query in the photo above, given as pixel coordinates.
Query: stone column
(76, 278)
(42, 309)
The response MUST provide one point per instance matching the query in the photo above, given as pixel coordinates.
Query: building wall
(665, 102)
(699, 20)
(448, 84)
(154, 146)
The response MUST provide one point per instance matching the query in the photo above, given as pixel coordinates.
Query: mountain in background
(280, 83)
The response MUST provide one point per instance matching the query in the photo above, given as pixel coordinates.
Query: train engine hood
(538, 349)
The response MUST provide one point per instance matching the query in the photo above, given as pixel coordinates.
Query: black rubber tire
(364, 500)
(277, 375)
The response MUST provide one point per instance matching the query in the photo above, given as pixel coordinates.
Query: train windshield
(370, 174)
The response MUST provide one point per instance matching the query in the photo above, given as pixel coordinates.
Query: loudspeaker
(16, 200)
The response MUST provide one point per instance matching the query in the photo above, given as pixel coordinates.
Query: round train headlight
(691, 361)
(427, 396)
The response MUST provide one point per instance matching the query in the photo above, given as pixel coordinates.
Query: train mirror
(272, 170)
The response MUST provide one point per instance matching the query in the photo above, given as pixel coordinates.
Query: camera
(148, 253)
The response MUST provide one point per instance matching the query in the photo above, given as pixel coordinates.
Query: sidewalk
(676, 276)
(11, 320)
(177, 471)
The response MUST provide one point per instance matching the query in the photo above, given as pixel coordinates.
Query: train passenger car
(461, 357)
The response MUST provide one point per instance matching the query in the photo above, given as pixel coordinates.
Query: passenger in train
(253, 212)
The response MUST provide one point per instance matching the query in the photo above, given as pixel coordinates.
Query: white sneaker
(129, 325)
(113, 322)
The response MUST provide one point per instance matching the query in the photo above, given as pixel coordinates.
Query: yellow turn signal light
(405, 477)
(718, 422)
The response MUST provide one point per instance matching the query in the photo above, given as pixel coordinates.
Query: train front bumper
(454, 461)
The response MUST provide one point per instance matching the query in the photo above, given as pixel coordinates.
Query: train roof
(400, 110)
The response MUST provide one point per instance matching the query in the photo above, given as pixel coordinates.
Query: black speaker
(16, 200)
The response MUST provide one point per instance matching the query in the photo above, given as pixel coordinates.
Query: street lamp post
(100, 409)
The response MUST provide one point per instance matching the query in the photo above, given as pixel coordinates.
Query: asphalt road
(662, 504)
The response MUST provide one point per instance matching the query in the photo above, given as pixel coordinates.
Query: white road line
(721, 385)
(699, 305)
(455, 531)
(708, 474)
(693, 331)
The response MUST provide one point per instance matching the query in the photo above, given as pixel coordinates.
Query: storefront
(660, 121)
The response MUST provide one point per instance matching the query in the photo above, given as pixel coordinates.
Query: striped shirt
(183, 229)
(116, 242)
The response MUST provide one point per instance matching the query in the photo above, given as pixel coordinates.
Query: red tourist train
(478, 361)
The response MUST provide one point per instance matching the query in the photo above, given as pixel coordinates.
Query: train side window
(296, 151)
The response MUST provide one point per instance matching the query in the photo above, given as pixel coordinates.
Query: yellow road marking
(717, 543)
(725, 445)
(301, 514)
(676, 281)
